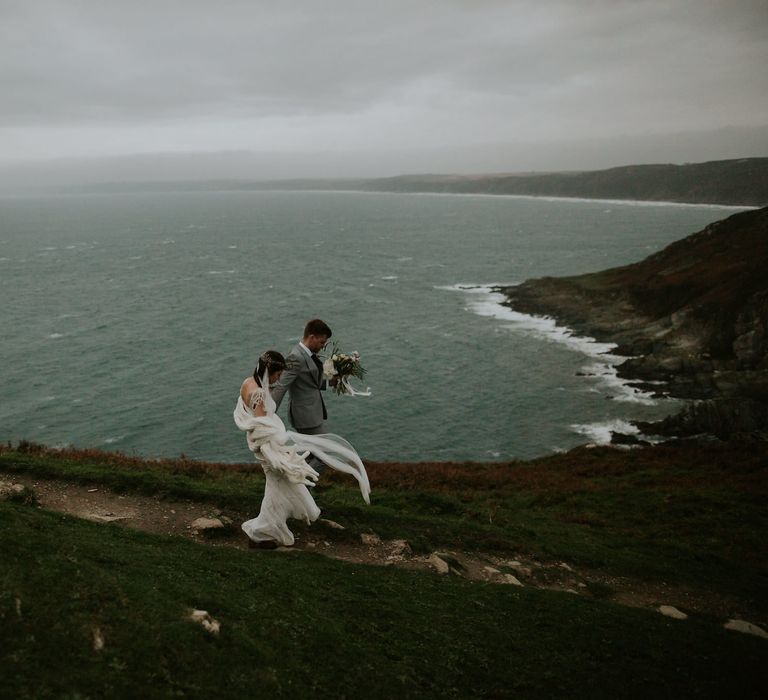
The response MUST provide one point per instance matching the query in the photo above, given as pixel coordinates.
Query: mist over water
(129, 321)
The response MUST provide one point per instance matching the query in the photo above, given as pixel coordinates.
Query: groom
(303, 380)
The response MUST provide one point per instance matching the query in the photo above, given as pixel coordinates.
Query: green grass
(302, 625)
(684, 517)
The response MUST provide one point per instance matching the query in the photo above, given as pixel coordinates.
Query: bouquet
(343, 366)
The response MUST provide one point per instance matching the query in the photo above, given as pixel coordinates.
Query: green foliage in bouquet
(343, 365)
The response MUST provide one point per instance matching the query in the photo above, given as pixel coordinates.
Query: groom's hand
(333, 381)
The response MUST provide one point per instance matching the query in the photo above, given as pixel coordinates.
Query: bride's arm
(249, 391)
(287, 378)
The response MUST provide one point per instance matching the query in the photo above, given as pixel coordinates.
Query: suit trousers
(317, 464)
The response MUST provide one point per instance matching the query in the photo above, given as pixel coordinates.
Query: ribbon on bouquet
(343, 386)
(349, 390)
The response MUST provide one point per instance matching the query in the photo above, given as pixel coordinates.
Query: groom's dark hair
(317, 327)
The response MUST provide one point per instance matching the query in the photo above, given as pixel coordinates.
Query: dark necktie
(319, 365)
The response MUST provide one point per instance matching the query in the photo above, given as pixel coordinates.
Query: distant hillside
(694, 315)
(737, 182)
(742, 182)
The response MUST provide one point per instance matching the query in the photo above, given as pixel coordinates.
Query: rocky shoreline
(692, 321)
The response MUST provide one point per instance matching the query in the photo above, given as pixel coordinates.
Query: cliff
(693, 316)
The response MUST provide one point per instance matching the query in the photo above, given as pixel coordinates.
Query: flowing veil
(332, 449)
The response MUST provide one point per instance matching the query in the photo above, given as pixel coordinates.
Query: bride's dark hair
(270, 361)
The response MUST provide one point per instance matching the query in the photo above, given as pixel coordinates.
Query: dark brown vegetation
(694, 315)
(739, 465)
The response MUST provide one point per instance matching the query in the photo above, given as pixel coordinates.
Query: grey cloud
(124, 61)
(414, 71)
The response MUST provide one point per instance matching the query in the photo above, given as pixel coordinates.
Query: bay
(129, 320)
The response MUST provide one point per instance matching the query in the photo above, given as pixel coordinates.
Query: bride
(282, 455)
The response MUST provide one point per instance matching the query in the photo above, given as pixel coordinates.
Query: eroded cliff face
(694, 315)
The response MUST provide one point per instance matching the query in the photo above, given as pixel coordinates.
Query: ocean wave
(600, 433)
(621, 390)
(112, 439)
(485, 301)
(490, 303)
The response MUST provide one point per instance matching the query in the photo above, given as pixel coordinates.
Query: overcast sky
(301, 78)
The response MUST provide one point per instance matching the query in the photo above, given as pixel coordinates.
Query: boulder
(673, 612)
(440, 565)
(454, 565)
(746, 628)
(202, 617)
(207, 526)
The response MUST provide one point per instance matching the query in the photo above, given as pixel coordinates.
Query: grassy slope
(682, 516)
(293, 625)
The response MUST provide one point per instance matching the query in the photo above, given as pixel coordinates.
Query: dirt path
(176, 518)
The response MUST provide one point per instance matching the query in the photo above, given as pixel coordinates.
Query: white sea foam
(600, 433)
(606, 374)
(487, 302)
(484, 301)
(55, 336)
(389, 277)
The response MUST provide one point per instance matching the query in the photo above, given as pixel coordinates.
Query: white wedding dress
(282, 455)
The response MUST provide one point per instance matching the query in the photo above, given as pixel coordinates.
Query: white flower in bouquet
(328, 369)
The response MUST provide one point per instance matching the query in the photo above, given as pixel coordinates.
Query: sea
(128, 321)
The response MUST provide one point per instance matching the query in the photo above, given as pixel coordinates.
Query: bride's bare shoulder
(248, 386)
(251, 393)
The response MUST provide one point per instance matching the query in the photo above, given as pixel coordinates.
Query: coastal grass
(686, 516)
(299, 624)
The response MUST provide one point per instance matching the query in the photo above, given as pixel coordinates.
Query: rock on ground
(9, 490)
(202, 617)
(440, 565)
(746, 627)
(207, 524)
(673, 612)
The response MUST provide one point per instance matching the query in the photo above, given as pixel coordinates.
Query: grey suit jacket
(303, 382)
